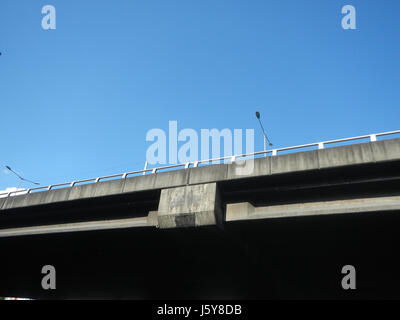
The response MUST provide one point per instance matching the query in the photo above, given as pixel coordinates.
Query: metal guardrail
(273, 152)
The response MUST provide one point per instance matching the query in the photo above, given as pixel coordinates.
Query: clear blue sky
(77, 102)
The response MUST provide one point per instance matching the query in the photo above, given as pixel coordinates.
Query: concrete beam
(106, 188)
(190, 206)
(171, 179)
(246, 211)
(81, 192)
(249, 168)
(300, 161)
(159, 180)
(56, 195)
(386, 150)
(139, 183)
(24, 200)
(149, 221)
(346, 155)
(207, 174)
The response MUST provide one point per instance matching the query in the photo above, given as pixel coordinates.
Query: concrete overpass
(281, 230)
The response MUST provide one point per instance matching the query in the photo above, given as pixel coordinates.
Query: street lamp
(20, 178)
(265, 135)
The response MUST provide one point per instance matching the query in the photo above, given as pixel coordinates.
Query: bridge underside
(273, 258)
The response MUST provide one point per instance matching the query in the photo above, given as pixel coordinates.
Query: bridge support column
(190, 206)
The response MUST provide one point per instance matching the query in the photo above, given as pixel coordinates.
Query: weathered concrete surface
(109, 187)
(57, 195)
(24, 200)
(139, 183)
(206, 174)
(152, 219)
(249, 168)
(386, 150)
(346, 155)
(171, 179)
(239, 211)
(189, 206)
(81, 192)
(363, 153)
(156, 181)
(301, 161)
(246, 211)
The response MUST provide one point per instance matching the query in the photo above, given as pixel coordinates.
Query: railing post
(154, 170)
(274, 152)
(233, 159)
(320, 145)
(372, 137)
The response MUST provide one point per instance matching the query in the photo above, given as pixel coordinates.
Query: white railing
(273, 152)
